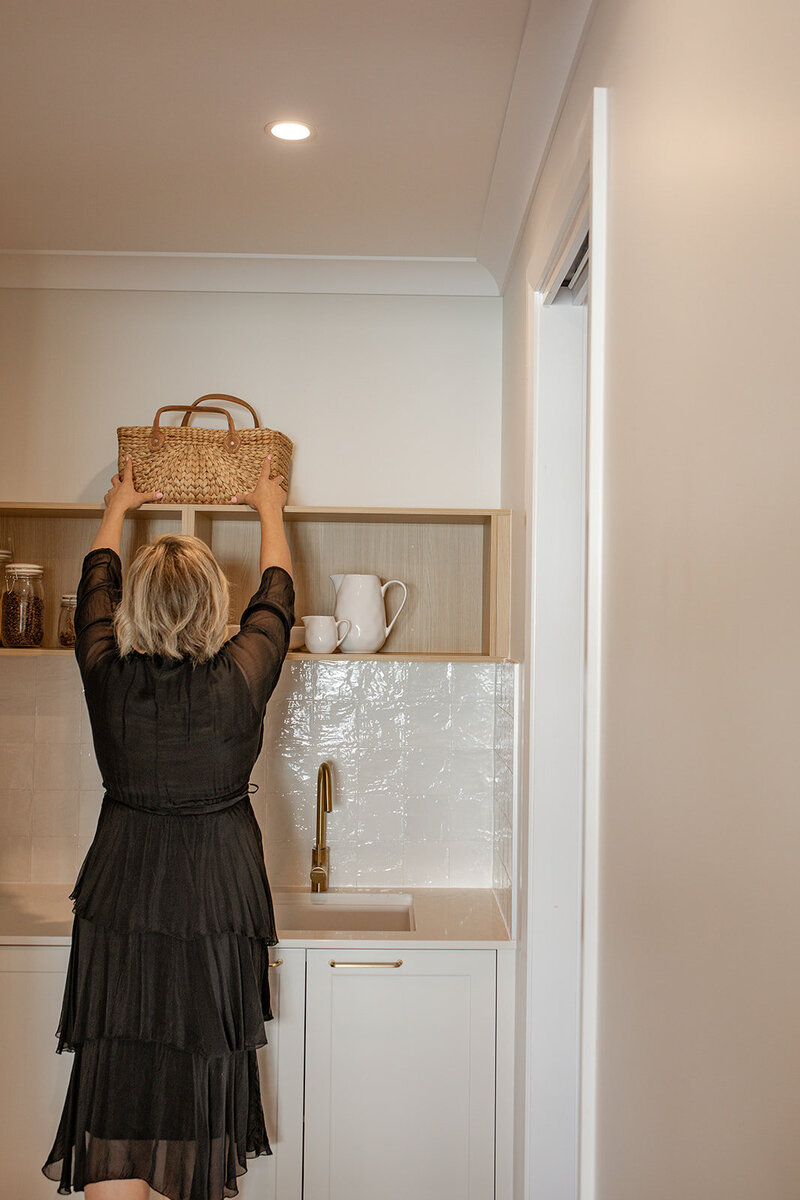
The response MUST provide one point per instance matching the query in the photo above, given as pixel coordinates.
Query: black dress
(167, 989)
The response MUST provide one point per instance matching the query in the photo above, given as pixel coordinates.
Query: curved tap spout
(320, 854)
(324, 800)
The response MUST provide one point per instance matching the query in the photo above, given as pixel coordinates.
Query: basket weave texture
(193, 466)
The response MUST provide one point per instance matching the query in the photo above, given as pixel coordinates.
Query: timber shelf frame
(455, 562)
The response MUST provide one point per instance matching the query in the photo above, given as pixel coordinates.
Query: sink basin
(379, 912)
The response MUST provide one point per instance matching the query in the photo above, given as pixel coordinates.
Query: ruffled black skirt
(166, 996)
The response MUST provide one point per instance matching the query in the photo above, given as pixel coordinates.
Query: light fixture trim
(292, 131)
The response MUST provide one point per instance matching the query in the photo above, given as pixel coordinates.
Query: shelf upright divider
(498, 583)
(189, 519)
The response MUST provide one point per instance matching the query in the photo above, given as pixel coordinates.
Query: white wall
(699, 1056)
(390, 400)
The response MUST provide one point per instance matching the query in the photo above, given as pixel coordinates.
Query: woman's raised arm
(262, 642)
(268, 499)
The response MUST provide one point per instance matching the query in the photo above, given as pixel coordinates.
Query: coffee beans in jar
(22, 607)
(66, 621)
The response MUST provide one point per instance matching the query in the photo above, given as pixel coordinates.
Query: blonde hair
(174, 601)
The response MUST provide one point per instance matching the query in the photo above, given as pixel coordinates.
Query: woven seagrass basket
(202, 466)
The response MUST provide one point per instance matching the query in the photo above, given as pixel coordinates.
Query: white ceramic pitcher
(360, 600)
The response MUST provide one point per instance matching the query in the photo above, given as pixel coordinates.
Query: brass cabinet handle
(398, 963)
(277, 963)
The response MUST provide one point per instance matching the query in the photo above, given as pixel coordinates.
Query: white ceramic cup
(322, 634)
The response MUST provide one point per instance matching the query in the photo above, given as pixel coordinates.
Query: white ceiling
(138, 125)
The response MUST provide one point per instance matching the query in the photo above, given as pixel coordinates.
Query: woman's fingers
(260, 490)
(137, 499)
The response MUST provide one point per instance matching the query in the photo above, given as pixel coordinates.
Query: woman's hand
(268, 492)
(120, 498)
(122, 495)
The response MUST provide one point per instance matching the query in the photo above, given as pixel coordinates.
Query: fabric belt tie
(179, 810)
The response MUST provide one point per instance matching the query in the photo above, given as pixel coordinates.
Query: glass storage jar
(22, 622)
(66, 621)
(5, 557)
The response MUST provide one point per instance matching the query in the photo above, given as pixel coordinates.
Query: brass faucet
(320, 853)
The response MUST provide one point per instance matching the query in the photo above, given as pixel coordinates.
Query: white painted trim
(105, 271)
(556, 739)
(504, 1075)
(586, 881)
(531, 392)
(516, 801)
(594, 631)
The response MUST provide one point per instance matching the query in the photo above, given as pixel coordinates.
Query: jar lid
(24, 569)
(69, 598)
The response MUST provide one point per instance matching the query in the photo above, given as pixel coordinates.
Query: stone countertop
(40, 914)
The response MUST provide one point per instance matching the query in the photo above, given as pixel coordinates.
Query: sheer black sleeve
(99, 593)
(260, 646)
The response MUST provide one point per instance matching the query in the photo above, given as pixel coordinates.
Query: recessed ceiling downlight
(289, 131)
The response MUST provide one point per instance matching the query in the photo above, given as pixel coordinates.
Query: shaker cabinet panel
(34, 1077)
(279, 1176)
(400, 1075)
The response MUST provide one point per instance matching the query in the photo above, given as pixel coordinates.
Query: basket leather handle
(158, 436)
(192, 408)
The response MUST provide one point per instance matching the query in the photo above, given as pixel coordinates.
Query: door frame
(581, 890)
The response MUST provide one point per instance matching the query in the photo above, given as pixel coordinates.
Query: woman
(167, 990)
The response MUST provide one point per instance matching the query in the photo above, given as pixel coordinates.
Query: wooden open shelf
(304, 656)
(455, 563)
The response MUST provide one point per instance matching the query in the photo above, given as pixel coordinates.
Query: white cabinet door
(34, 1077)
(400, 1075)
(279, 1176)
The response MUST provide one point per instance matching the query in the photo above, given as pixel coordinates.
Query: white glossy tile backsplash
(411, 749)
(421, 756)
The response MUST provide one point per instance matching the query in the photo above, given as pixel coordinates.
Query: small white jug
(322, 634)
